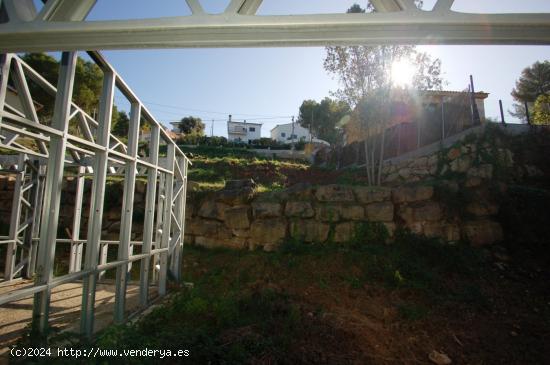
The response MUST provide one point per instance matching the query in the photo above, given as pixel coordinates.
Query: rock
(446, 231)
(379, 212)
(352, 212)
(404, 173)
(454, 153)
(211, 242)
(484, 171)
(482, 232)
(241, 232)
(408, 194)
(238, 217)
(472, 182)
(334, 193)
(236, 196)
(141, 187)
(329, 213)
(309, 230)
(344, 232)
(439, 358)
(461, 164)
(420, 162)
(210, 228)
(189, 239)
(390, 227)
(366, 195)
(533, 171)
(430, 211)
(239, 184)
(299, 209)
(482, 208)
(193, 186)
(266, 210)
(213, 210)
(268, 231)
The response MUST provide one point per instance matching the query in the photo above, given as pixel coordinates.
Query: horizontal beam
(422, 27)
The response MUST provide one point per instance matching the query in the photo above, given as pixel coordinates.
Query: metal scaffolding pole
(96, 208)
(53, 183)
(148, 227)
(127, 212)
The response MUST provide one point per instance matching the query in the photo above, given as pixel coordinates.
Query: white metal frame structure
(92, 151)
(61, 24)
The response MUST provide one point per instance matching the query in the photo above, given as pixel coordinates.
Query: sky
(268, 85)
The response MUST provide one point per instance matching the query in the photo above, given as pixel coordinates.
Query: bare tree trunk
(369, 181)
(373, 162)
(381, 157)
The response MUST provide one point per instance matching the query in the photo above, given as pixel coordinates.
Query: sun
(402, 73)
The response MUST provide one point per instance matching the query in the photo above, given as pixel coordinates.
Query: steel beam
(167, 219)
(148, 227)
(127, 213)
(53, 183)
(96, 207)
(75, 261)
(235, 30)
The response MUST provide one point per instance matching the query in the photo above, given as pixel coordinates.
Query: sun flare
(402, 73)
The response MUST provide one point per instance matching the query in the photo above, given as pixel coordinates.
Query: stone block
(235, 196)
(237, 217)
(429, 211)
(272, 231)
(379, 212)
(454, 153)
(344, 232)
(484, 171)
(482, 208)
(334, 193)
(213, 242)
(299, 209)
(329, 213)
(352, 212)
(266, 210)
(408, 194)
(366, 195)
(482, 232)
(309, 230)
(461, 164)
(212, 210)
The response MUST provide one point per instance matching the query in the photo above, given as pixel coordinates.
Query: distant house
(290, 132)
(243, 131)
(434, 99)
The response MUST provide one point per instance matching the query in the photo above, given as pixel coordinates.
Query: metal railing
(94, 153)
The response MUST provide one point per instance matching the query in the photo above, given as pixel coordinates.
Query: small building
(290, 132)
(243, 131)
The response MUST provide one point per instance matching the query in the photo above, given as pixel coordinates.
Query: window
(283, 134)
(252, 129)
(293, 136)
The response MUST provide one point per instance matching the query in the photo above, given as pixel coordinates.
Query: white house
(243, 131)
(286, 133)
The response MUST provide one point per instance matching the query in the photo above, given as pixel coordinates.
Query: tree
(541, 111)
(120, 123)
(362, 69)
(191, 125)
(322, 118)
(533, 82)
(87, 86)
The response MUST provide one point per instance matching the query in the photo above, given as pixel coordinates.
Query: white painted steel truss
(61, 24)
(75, 143)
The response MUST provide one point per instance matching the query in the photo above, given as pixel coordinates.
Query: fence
(73, 144)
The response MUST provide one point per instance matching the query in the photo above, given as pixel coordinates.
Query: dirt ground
(66, 299)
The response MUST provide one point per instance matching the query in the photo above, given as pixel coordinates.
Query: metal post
(97, 200)
(127, 212)
(179, 209)
(75, 263)
(11, 251)
(5, 61)
(54, 177)
(148, 221)
(30, 217)
(160, 218)
(37, 216)
(501, 112)
(167, 219)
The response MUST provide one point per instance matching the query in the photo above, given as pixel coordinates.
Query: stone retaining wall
(334, 213)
